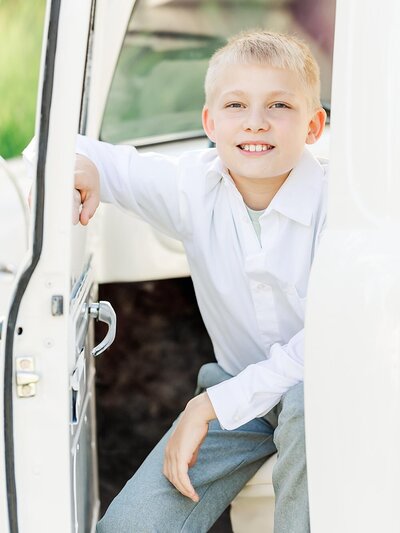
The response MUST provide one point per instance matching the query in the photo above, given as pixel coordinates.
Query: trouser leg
(290, 473)
(227, 460)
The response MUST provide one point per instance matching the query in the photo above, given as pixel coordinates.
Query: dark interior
(146, 378)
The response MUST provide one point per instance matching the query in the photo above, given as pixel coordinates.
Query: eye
(279, 105)
(234, 105)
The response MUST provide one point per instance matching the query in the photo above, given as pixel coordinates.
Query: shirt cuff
(220, 396)
(259, 387)
(232, 405)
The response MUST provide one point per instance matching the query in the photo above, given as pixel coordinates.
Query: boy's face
(260, 119)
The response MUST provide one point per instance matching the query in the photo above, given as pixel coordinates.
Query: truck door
(47, 337)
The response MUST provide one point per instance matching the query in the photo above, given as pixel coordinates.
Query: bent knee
(290, 427)
(293, 403)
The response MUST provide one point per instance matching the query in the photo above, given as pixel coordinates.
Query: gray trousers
(149, 503)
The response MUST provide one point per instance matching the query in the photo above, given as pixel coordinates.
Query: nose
(256, 120)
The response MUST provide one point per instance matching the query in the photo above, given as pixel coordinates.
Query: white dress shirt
(252, 297)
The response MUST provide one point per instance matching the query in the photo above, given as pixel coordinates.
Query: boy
(249, 214)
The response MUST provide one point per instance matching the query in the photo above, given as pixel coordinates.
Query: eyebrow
(272, 94)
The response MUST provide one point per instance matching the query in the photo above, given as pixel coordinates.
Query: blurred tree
(21, 27)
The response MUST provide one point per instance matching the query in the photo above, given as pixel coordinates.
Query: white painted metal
(41, 424)
(352, 382)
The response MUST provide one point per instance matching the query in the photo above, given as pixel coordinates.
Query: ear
(208, 123)
(316, 126)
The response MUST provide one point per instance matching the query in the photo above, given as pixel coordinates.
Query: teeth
(255, 147)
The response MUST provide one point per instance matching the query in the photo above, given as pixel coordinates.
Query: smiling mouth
(256, 147)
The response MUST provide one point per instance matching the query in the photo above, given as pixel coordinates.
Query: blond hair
(274, 49)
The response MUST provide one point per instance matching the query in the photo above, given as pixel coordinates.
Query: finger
(89, 207)
(183, 482)
(171, 471)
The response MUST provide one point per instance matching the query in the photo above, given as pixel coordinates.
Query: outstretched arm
(146, 184)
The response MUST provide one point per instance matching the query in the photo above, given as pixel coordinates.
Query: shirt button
(261, 286)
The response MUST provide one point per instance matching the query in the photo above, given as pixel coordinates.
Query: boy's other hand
(87, 182)
(184, 445)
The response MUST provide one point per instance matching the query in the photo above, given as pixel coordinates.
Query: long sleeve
(146, 184)
(260, 386)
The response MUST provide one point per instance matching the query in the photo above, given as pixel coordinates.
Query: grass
(21, 27)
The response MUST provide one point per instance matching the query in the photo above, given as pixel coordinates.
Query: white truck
(103, 66)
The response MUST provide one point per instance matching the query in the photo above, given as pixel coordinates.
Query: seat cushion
(261, 483)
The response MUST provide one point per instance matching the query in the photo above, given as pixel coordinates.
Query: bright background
(21, 27)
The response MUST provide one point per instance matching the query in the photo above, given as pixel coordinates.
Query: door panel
(50, 417)
(82, 416)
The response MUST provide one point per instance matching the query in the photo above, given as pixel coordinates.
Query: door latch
(26, 377)
(103, 312)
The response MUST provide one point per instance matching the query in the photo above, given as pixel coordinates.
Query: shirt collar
(215, 173)
(297, 196)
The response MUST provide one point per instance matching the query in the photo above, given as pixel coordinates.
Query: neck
(258, 193)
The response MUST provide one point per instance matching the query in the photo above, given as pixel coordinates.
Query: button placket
(265, 311)
(247, 235)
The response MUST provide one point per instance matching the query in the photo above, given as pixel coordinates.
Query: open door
(352, 363)
(47, 340)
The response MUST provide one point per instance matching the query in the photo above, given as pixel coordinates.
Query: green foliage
(21, 27)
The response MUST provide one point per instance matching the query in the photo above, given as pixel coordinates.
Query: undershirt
(255, 220)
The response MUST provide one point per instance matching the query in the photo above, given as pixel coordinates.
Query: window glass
(157, 91)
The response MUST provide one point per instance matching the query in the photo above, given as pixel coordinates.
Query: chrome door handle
(103, 312)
